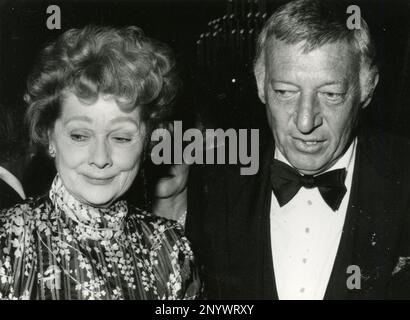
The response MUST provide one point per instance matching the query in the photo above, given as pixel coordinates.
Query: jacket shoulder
(389, 153)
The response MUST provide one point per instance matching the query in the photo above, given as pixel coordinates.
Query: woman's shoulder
(23, 214)
(156, 230)
(26, 206)
(153, 222)
(165, 244)
(147, 216)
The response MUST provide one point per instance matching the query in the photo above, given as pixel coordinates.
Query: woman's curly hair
(136, 70)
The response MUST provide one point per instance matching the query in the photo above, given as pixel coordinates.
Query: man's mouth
(308, 145)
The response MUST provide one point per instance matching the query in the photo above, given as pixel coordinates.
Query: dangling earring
(51, 151)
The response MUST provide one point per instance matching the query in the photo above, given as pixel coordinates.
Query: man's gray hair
(316, 22)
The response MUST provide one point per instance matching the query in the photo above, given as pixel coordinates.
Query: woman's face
(98, 149)
(173, 182)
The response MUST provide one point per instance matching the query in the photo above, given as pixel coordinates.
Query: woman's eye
(285, 94)
(122, 139)
(79, 137)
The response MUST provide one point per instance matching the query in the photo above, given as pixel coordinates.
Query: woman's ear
(51, 143)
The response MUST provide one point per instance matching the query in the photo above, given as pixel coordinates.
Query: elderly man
(327, 215)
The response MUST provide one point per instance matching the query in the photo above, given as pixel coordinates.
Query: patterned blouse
(58, 248)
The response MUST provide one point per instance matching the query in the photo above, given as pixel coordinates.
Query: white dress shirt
(12, 181)
(305, 235)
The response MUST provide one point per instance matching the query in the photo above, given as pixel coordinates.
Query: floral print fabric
(58, 248)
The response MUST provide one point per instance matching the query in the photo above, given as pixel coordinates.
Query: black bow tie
(286, 182)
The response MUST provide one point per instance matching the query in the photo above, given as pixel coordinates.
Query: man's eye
(333, 96)
(79, 137)
(284, 94)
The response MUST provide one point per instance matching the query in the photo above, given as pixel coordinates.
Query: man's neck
(173, 207)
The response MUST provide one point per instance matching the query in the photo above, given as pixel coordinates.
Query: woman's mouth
(98, 181)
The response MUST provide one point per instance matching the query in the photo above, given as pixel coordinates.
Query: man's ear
(260, 81)
(370, 83)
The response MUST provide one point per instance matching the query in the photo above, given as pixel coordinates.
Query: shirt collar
(90, 222)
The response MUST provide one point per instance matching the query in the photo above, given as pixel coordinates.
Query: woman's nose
(100, 155)
(308, 115)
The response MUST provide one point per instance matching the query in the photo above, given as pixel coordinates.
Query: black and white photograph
(221, 151)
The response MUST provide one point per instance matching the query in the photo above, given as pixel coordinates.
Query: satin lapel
(337, 288)
(248, 226)
(371, 228)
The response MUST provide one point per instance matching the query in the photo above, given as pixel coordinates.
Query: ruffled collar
(88, 222)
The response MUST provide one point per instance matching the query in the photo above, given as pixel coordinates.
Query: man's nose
(100, 154)
(308, 115)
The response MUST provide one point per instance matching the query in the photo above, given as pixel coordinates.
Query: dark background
(23, 30)
(179, 23)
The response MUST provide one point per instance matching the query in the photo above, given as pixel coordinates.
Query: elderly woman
(93, 100)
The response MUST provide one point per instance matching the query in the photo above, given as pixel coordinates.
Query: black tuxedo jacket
(8, 196)
(229, 226)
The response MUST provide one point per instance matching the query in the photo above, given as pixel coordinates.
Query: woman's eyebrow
(124, 119)
(78, 118)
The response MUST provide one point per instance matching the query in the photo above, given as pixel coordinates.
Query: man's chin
(309, 167)
(310, 171)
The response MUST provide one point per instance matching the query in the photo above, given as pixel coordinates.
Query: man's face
(312, 101)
